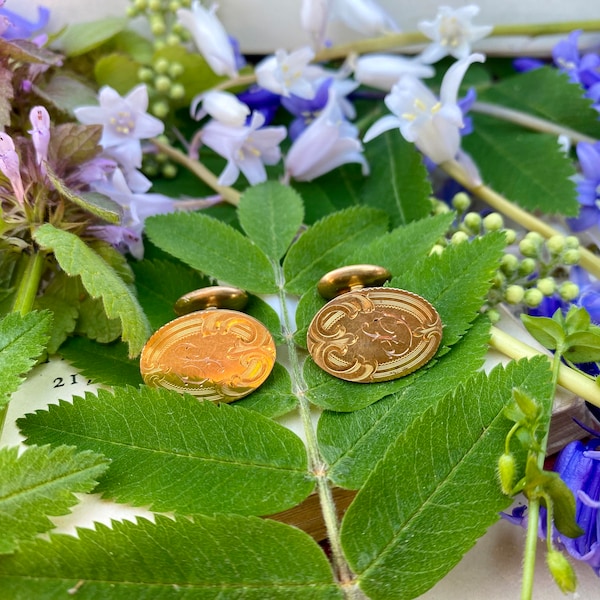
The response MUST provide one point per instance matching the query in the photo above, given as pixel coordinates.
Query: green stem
(529, 121)
(30, 283)
(316, 463)
(227, 193)
(588, 260)
(533, 510)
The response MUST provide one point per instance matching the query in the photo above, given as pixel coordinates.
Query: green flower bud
(440, 207)
(571, 256)
(556, 244)
(461, 201)
(533, 298)
(155, 5)
(458, 238)
(568, 291)
(547, 286)
(571, 242)
(140, 4)
(150, 169)
(145, 74)
(436, 249)
(506, 473)
(528, 248)
(561, 570)
(472, 221)
(177, 91)
(174, 5)
(163, 139)
(157, 25)
(161, 66)
(493, 315)
(161, 157)
(159, 45)
(493, 222)
(509, 264)
(160, 109)
(499, 279)
(173, 39)
(132, 11)
(535, 237)
(169, 171)
(527, 266)
(162, 84)
(514, 294)
(175, 70)
(510, 235)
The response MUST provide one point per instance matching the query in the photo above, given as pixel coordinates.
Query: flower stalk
(588, 260)
(29, 282)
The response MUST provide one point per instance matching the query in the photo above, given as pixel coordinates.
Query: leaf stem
(576, 382)
(197, 168)
(30, 283)
(316, 463)
(533, 509)
(529, 121)
(588, 260)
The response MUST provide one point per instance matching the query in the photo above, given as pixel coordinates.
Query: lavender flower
(40, 132)
(364, 16)
(210, 37)
(452, 33)
(10, 166)
(222, 106)
(260, 100)
(328, 142)
(433, 125)
(588, 186)
(314, 16)
(382, 71)
(125, 122)
(14, 26)
(247, 148)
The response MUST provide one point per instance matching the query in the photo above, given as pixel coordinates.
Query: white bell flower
(382, 71)
(364, 16)
(210, 37)
(314, 17)
(452, 33)
(433, 125)
(222, 106)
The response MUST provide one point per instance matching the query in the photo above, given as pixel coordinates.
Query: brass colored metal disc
(351, 277)
(218, 354)
(374, 334)
(217, 296)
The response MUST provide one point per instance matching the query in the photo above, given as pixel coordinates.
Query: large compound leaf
(213, 248)
(100, 281)
(328, 243)
(271, 214)
(353, 442)
(23, 338)
(175, 453)
(227, 556)
(436, 489)
(41, 482)
(398, 182)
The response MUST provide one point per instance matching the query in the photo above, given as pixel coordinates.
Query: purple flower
(578, 465)
(258, 99)
(40, 132)
(306, 110)
(588, 184)
(525, 64)
(10, 165)
(14, 26)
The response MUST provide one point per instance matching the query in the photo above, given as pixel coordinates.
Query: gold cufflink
(368, 333)
(212, 350)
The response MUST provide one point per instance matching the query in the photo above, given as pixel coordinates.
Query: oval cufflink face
(374, 334)
(220, 355)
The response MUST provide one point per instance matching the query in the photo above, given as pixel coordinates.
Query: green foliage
(225, 556)
(447, 495)
(41, 482)
(66, 93)
(80, 38)
(118, 71)
(353, 442)
(271, 215)
(182, 455)
(99, 280)
(327, 244)
(214, 248)
(398, 180)
(23, 339)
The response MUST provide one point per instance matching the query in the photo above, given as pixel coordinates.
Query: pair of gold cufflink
(365, 334)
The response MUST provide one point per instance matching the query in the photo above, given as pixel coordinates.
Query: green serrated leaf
(528, 168)
(66, 93)
(99, 280)
(102, 363)
(80, 38)
(28, 52)
(422, 519)
(94, 324)
(227, 556)
(352, 443)
(328, 243)
(189, 456)
(116, 70)
(274, 397)
(398, 182)
(546, 331)
(577, 319)
(213, 248)
(114, 258)
(96, 204)
(72, 144)
(310, 303)
(41, 482)
(259, 309)
(271, 214)
(23, 339)
(582, 347)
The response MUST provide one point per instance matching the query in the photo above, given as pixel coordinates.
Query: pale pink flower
(40, 132)
(10, 165)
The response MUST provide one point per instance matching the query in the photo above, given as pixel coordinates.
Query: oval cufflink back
(371, 334)
(212, 350)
